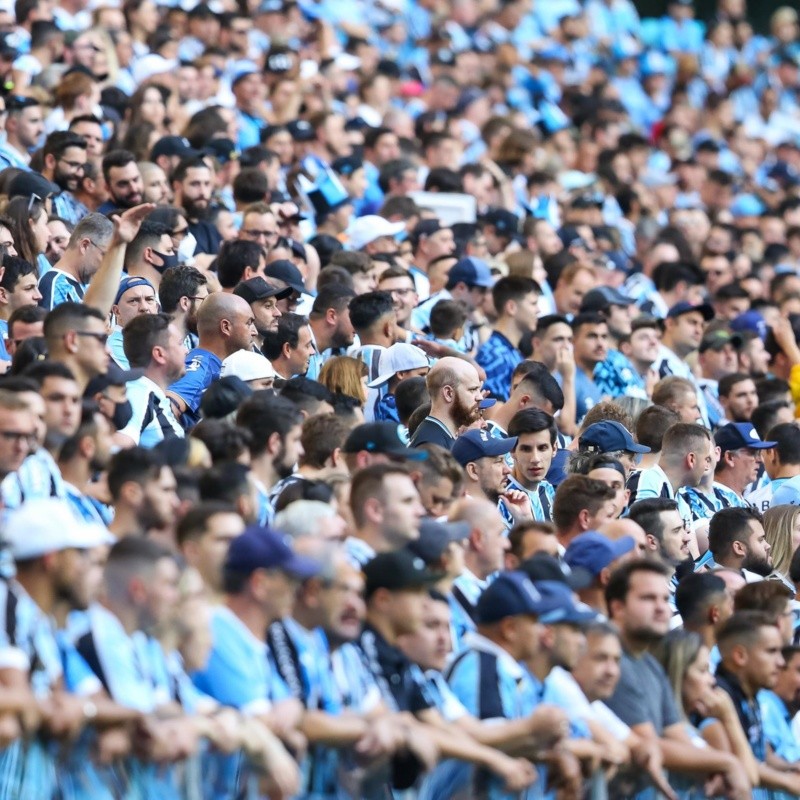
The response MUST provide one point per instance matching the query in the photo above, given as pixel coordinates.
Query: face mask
(186, 249)
(123, 412)
(169, 261)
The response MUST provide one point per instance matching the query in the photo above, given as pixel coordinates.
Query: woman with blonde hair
(782, 526)
(345, 375)
(685, 660)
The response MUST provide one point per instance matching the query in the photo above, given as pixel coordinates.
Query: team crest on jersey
(194, 365)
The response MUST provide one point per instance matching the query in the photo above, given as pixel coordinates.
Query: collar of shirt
(476, 641)
(471, 585)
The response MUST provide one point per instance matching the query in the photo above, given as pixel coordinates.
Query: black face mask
(122, 415)
(169, 261)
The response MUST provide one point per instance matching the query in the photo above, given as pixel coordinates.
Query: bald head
(455, 390)
(475, 510)
(228, 318)
(450, 372)
(733, 580)
(617, 528)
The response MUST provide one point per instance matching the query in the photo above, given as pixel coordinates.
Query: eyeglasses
(78, 166)
(34, 199)
(100, 337)
(179, 234)
(97, 246)
(17, 436)
(256, 234)
(194, 297)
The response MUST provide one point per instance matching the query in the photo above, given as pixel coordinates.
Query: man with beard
(69, 278)
(615, 375)
(180, 293)
(737, 541)
(151, 253)
(533, 453)
(738, 397)
(81, 457)
(274, 424)
(289, 347)
(143, 492)
(590, 348)
(263, 298)
(516, 300)
(153, 343)
(123, 180)
(193, 184)
(330, 325)
(454, 387)
(64, 160)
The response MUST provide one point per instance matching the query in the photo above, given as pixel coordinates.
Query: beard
(191, 324)
(195, 211)
(757, 564)
(280, 466)
(462, 414)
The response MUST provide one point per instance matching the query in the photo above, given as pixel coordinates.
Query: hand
(10, 729)
(383, 738)
(226, 730)
(421, 745)
(650, 381)
(66, 719)
(717, 703)
(517, 773)
(784, 336)
(282, 774)
(113, 744)
(549, 725)
(564, 772)
(432, 349)
(649, 758)
(565, 363)
(518, 504)
(127, 224)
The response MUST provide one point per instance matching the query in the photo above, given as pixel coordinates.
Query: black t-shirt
(431, 430)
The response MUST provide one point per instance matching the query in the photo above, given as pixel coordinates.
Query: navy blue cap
(434, 536)
(131, 282)
(382, 437)
(257, 288)
(750, 321)
(594, 552)
(475, 444)
(284, 270)
(264, 548)
(301, 130)
(560, 606)
(502, 220)
(607, 436)
(472, 271)
(601, 298)
(173, 146)
(396, 571)
(544, 567)
(510, 594)
(736, 435)
(685, 307)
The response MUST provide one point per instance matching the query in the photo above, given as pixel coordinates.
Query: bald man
(617, 528)
(454, 387)
(225, 324)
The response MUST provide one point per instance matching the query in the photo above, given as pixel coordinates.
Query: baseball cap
(685, 307)
(114, 376)
(131, 282)
(593, 552)
(400, 357)
(173, 146)
(601, 298)
(396, 571)
(369, 228)
(750, 321)
(471, 271)
(257, 288)
(425, 227)
(510, 594)
(607, 436)
(27, 184)
(503, 221)
(544, 567)
(347, 165)
(475, 444)
(284, 270)
(434, 536)
(48, 525)
(247, 365)
(382, 437)
(301, 130)
(736, 435)
(260, 547)
(223, 150)
(747, 205)
(560, 607)
(716, 340)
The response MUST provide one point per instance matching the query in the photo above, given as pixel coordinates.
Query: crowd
(399, 399)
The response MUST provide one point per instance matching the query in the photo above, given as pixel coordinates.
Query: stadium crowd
(399, 400)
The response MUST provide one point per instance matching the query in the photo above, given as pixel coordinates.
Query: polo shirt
(499, 358)
(202, 369)
(432, 430)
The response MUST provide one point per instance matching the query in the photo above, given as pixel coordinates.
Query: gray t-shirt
(643, 694)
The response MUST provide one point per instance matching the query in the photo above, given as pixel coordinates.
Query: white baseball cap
(247, 365)
(400, 357)
(367, 229)
(49, 525)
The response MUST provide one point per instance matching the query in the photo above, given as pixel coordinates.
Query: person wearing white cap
(374, 234)
(252, 368)
(398, 362)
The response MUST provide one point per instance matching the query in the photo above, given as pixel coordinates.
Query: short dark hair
(194, 523)
(787, 436)
(334, 296)
(307, 394)
(743, 627)
(512, 288)
(141, 335)
(58, 142)
(288, 331)
(65, 316)
(647, 514)
(409, 395)
(447, 317)
(727, 382)
(547, 321)
(15, 268)
(771, 597)
(695, 593)
(225, 442)
(137, 464)
(27, 315)
(368, 308)
(619, 583)
(652, 424)
(729, 525)
(320, 436)
(532, 420)
(576, 493)
(226, 481)
(116, 159)
(234, 257)
(192, 162)
(538, 379)
(177, 282)
(588, 318)
(368, 482)
(39, 371)
(250, 185)
(264, 414)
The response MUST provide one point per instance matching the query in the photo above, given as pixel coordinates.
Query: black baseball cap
(381, 437)
(257, 288)
(284, 270)
(27, 184)
(115, 376)
(173, 146)
(544, 567)
(396, 571)
(684, 307)
(434, 536)
(503, 221)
